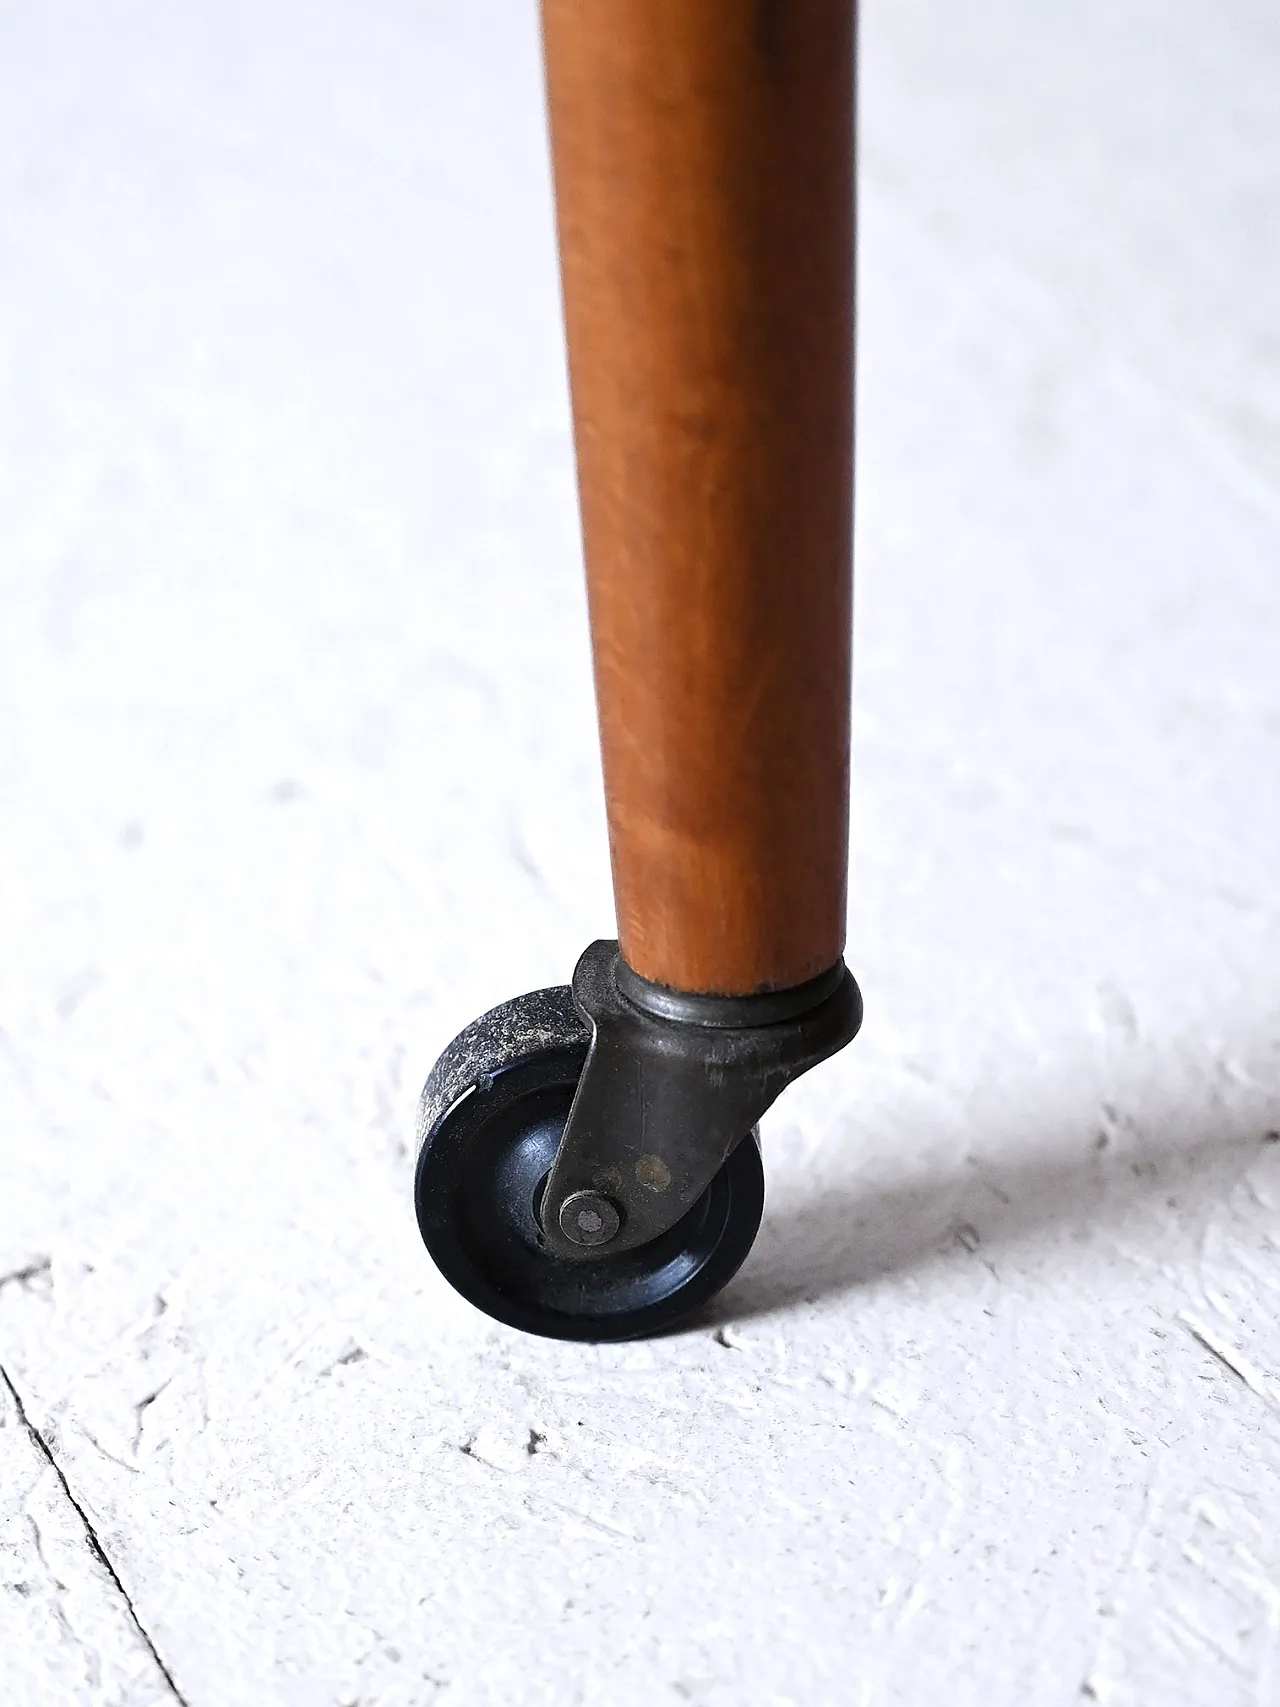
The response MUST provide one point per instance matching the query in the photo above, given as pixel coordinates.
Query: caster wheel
(492, 1115)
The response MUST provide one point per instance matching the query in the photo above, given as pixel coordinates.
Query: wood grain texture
(703, 159)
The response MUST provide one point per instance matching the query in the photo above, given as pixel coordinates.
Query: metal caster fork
(589, 1161)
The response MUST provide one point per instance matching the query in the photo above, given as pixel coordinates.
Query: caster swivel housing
(589, 1162)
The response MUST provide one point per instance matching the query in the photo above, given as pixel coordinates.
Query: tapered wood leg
(703, 155)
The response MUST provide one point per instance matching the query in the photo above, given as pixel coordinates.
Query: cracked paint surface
(67, 1628)
(298, 775)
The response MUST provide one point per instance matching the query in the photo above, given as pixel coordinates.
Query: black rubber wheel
(488, 1139)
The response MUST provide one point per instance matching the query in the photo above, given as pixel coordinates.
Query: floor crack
(28, 1274)
(95, 1546)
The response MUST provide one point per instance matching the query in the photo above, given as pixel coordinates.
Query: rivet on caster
(589, 1160)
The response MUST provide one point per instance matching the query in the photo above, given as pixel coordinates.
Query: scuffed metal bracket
(672, 1084)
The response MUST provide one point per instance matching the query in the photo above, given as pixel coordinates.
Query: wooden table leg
(589, 1164)
(703, 155)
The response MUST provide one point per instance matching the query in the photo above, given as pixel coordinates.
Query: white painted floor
(298, 773)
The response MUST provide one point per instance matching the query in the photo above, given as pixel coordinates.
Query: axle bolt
(587, 1218)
